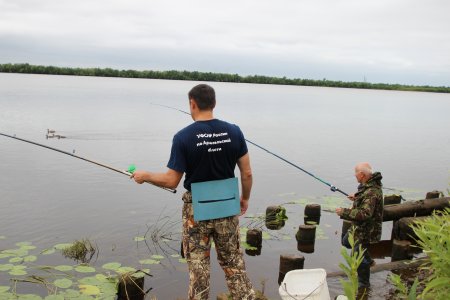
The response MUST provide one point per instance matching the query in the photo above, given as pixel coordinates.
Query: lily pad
(16, 260)
(16, 252)
(246, 246)
(27, 247)
(54, 297)
(4, 288)
(30, 258)
(92, 280)
(266, 236)
(182, 260)
(102, 278)
(64, 268)
(71, 294)
(123, 270)
(48, 251)
(6, 267)
(155, 256)
(139, 238)
(17, 272)
(89, 290)
(63, 283)
(5, 255)
(108, 289)
(175, 255)
(149, 261)
(20, 244)
(85, 269)
(112, 266)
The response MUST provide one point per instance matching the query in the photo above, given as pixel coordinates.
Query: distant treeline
(208, 76)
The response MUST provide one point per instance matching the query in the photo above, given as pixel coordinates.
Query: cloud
(339, 39)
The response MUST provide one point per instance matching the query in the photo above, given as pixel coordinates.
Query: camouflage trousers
(197, 238)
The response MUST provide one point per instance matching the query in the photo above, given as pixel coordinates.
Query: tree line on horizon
(209, 76)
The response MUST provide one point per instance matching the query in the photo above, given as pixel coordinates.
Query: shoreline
(26, 68)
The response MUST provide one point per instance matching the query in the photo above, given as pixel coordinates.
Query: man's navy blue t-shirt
(207, 150)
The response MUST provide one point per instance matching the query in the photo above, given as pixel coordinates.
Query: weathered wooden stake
(400, 250)
(433, 195)
(254, 237)
(271, 218)
(130, 288)
(312, 210)
(402, 229)
(306, 248)
(289, 263)
(392, 199)
(306, 234)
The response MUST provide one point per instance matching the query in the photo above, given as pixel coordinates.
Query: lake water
(47, 198)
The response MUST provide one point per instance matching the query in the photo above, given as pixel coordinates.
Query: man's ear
(192, 103)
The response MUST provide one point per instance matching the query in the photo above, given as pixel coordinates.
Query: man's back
(207, 150)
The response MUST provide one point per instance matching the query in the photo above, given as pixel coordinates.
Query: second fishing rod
(128, 172)
(332, 187)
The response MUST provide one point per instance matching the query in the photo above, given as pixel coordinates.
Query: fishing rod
(332, 187)
(129, 172)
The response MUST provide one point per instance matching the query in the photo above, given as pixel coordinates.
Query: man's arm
(363, 212)
(170, 179)
(246, 180)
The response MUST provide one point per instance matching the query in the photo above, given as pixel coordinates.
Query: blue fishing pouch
(215, 199)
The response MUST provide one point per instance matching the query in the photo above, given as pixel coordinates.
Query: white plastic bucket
(308, 284)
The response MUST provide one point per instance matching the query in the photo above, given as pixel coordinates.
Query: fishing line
(332, 187)
(128, 173)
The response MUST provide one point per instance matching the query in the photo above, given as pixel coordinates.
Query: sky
(388, 41)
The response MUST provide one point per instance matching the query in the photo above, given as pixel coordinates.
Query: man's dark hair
(204, 96)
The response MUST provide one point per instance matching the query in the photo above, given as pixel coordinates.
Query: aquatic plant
(81, 251)
(79, 281)
(402, 289)
(434, 239)
(353, 261)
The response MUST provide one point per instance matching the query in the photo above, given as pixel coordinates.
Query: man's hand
(244, 206)
(139, 176)
(351, 197)
(339, 211)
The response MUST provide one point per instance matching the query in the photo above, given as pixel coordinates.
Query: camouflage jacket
(367, 211)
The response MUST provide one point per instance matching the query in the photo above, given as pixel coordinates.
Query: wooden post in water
(312, 214)
(130, 288)
(271, 217)
(433, 195)
(402, 229)
(400, 250)
(306, 238)
(254, 239)
(289, 263)
(392, 199)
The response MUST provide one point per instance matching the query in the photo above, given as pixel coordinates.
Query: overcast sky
(391, 41)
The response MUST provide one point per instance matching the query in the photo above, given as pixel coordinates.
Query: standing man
(366, 215)
(208, 150)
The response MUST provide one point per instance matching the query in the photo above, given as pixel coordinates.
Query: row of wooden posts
(402, 214)
(402, 236)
